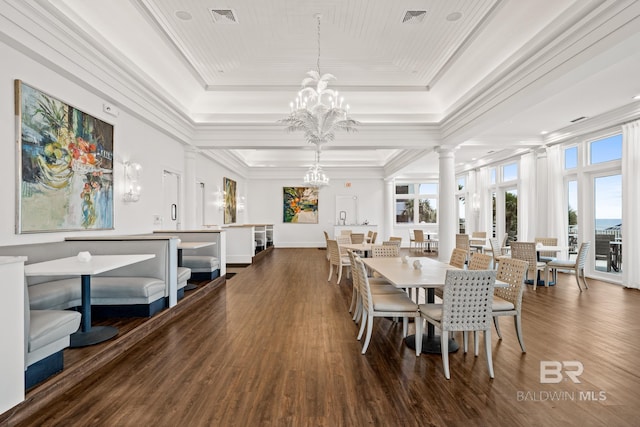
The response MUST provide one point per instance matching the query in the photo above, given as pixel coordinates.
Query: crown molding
(567, 42)
(616, 117)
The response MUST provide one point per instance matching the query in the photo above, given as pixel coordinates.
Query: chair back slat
(526, 251)
(385, 251)
(468, 300)
(458, 258)
(547, 241)
(480, 261)
(512, 271)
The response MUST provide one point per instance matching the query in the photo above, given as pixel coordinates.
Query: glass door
(572, 217)
(607, 205)
(511, 213)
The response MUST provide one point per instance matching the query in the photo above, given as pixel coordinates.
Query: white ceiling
(488, 82)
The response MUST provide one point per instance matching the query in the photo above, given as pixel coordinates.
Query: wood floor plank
(276, 346)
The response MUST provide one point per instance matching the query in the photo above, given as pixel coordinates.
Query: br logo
(553, 371)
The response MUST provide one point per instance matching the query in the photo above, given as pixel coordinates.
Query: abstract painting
(229, 201)
(65, 166)
(300, 205)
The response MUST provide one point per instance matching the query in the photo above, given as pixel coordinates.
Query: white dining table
(364, 248)
(554, 249)
(432, 275)
(73, 266)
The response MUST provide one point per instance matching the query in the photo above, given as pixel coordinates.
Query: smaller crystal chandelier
(315, 176)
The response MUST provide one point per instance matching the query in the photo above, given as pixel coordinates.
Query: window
(571, 158)
(510, 172)
(606, 149)
(493, 176)
(462, 183)
(424, 196)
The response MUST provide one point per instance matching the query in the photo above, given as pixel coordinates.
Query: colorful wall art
(300, 205)
(65, 166)
(230, 209)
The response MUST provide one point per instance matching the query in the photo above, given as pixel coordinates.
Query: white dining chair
(576, 265)
(337, 260)
(377, 285)
(383, 305)
(467, 307)
(526, 251)
(507, 301)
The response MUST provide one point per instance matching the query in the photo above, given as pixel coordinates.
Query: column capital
(444, 150)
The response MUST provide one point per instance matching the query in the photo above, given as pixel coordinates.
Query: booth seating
(46, 335)
(206, 263)
(138, 290)
(203, 267)
(174, 278)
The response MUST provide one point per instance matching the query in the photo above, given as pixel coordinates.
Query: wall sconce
(241, 204)
(220, 198)
(132, 173)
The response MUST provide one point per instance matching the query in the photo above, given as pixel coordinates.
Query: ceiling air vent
(223, 16)
(414, 16)
(578, 119)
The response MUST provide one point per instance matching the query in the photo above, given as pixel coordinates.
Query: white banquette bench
(138, 290)
(205, 263)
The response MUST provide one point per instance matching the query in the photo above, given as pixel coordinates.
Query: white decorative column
(190, 203)
(541, 204)
(447, 199)
(389, 210)
(472, 203)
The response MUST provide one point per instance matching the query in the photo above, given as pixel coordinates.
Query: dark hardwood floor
(276, 346)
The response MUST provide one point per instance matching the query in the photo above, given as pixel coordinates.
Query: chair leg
(578, 279)
(546, 276)
(476, 343)
(339, 274)
(584, 279)
(367, 340)
(518, 322)
(363, 322)
(405, 326)
(487, 348)
(465, 341)
(358, 309)
(418, 322)
(330, 272)
(444, 346)
(497, 325)
(535, 280)
(352, 306)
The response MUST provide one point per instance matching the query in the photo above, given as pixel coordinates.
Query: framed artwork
(229, 201)
(65, 166)
(300, 205)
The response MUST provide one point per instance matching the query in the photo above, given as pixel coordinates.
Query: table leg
(88, 335)
(190, 286)
(430, 341)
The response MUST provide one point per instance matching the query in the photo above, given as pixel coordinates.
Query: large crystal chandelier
(315, 176)
(318, 112)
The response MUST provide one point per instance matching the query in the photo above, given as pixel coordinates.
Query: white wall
(265, 206)
(212, 175)
(134, 140)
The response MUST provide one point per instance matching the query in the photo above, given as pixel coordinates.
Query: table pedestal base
(95, 335)
(430, 344)
(190, 287)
